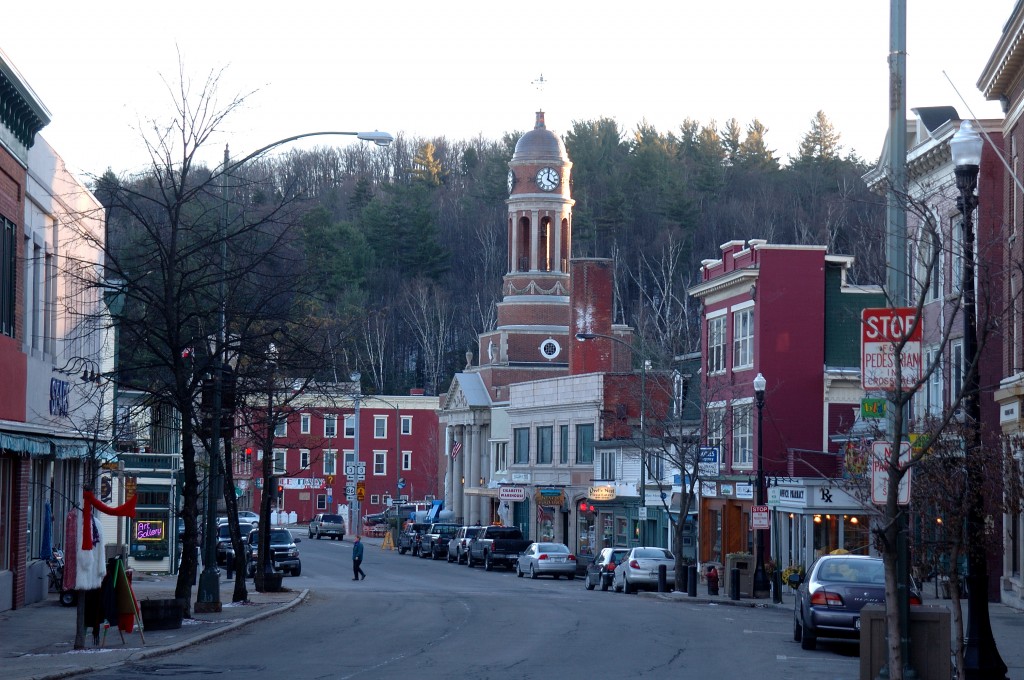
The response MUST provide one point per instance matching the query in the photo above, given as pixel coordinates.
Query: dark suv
(411, 538)
(225, 551)
(284, 555)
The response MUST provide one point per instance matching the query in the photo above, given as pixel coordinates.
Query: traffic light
(280, 490)
(248, 454)
(586, 508)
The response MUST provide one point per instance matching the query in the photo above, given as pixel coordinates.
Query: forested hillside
(407, 244)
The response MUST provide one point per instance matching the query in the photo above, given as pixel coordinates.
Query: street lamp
(355, 377)
(398, 453)
(981, 658)
(760, 576)
(208, 596)
(645, 364)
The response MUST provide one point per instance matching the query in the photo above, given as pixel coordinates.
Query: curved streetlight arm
(377, 137)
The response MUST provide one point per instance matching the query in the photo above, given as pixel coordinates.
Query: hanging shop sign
(601, 493)
(549, 497)
(513, 494)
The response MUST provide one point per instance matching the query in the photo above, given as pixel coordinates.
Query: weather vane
(539, 84)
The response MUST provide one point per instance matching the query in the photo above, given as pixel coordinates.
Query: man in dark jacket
(357, 559)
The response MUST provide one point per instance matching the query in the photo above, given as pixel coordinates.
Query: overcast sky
(459, 68)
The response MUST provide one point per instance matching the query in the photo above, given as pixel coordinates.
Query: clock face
(550, 349)
(547, 179)
(511, 180)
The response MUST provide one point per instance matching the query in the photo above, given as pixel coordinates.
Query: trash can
(744, 565)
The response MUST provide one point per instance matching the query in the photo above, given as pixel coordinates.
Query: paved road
(420, 618)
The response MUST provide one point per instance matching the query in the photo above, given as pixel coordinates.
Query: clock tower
(532, 338)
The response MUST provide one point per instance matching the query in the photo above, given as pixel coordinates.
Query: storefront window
(715, 526)
(856, 537)
(585, 535)
(545, 523)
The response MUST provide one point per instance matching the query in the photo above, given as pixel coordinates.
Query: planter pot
(163, 614)
(272, 583)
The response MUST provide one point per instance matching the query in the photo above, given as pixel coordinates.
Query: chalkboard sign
(149, 530)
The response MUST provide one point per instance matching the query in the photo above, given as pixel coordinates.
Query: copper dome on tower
(540, 144)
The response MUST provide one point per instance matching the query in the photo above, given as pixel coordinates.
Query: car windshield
(332, 519)
(276, 536)
(224, 530)
(505, 532)
(552, 548)
(845, 570)
(447, 531)
(652, 553)
(470, 533)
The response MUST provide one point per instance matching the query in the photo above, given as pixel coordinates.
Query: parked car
(284, 553)
(495, 545)
(458, 546)
(829, 598)
(639, 569)
(326, 524)
(410, 538)
(602, 570)
(225, 551)
(243, 516)
(434, 542)
(540, 559)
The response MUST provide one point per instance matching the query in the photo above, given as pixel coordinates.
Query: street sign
(360, 494)
(707, 465)
(401, 482)
(881, 331)
(350, 489)
(361, 478)
(360, 485)
(642, 513)
(880, 452)
(774, 495)
(360, 467)
(350, 469)
(760, 516)
(330, 479)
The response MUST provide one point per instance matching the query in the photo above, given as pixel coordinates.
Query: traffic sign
(759, 517)
(360, 485)
(360, 467)
(350, 489)
(360, 494)
(350, 469)
(330, 479)
(401, 482)
(880, 453)
(883, 331)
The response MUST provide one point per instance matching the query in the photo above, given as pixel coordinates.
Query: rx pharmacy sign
(882, 331)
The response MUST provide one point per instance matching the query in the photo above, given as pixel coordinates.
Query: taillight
(571, 558)
(611, 566)
(542, 556)
(825, 598)
(914, 599)
(634, 564)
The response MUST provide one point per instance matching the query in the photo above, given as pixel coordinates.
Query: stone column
(472, 474)
(448, 469)
(457, 474)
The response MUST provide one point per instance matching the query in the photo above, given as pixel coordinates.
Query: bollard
(734, 584)
(662, 578)
(691, 580)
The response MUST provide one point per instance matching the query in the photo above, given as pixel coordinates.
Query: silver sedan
(546, 558)
(639, 569)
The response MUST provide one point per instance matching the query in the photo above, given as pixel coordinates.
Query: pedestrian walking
(357, 559)
(712, 578)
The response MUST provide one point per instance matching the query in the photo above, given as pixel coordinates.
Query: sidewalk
(37, 641)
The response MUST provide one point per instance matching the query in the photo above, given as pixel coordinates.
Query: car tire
(519, 572)
(402, 551)
(808, 640)
(449, 558)
(311, 533)
(604, 584)
(798, 631)
(469, 560)
(487, 562)
(587, 584)
(533, 572)
(68, 598)
(627, 587)
(316, 534)
(297, 570)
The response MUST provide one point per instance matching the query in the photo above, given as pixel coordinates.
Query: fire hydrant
(712, 577)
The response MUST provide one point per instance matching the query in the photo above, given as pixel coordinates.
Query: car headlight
(294, 552)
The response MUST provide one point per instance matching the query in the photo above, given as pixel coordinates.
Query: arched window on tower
(544, 244)
(523, 239)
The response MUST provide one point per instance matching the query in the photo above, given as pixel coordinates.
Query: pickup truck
(434, 543)
(496, 545)
(325, 524)
(411, 538)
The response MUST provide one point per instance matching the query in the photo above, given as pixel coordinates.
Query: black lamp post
(760, 576)
(981, 658)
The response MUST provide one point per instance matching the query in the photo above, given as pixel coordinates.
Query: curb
(202, 637)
